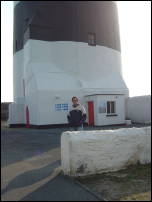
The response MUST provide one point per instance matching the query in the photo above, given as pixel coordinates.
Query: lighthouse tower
(64, 49)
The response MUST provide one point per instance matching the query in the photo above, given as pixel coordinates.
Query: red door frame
(90, 113)
(27, 117)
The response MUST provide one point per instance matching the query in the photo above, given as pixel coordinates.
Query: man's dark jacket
(76, 117)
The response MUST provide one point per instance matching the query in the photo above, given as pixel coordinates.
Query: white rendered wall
(16, 113)
(46, 106)
(56, 71)
(65, 69)
(102, 118)
(119, 100)
(139, 109)
(18, 65)
(93, 152)
(97, 68)
(17, 108)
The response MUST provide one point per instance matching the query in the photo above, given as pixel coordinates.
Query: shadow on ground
(60, 188)
(31, 177)
(21, 144)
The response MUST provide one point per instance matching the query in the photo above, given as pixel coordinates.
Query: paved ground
(29, 158)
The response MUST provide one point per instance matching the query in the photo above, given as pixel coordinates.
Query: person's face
(75, 101)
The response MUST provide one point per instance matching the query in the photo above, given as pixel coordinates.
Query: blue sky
(135, 32)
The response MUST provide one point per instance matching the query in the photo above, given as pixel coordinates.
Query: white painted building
(61, 50)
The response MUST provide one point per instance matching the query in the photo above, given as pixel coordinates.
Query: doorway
(90, 113)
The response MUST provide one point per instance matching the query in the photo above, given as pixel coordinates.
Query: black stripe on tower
(66, 21)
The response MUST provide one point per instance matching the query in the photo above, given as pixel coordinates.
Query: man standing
(76, 115)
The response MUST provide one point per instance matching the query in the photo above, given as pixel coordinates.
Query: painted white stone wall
(61, 72)
(87, 63)
(16, 113)
(92, 152)
(54, 72)
(17, 108)
(18, 62)
(139, 109)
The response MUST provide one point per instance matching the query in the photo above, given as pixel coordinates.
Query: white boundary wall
(139, 109)
(92, 152)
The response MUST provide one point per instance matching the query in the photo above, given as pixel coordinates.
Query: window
(92, 39)
(111, 108)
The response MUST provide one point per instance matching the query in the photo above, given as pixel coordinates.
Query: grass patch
(137, 197)
(133, 180)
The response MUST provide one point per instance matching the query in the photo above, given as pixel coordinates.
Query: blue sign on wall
(61, 107)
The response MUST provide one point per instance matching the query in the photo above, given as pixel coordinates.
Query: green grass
(133, 172)
(134, 179)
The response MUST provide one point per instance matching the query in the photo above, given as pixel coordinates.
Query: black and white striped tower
(61, 49)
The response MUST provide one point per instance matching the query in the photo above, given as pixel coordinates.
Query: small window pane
(112, 107)
(108, 107)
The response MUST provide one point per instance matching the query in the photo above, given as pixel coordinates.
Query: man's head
(75, 100)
